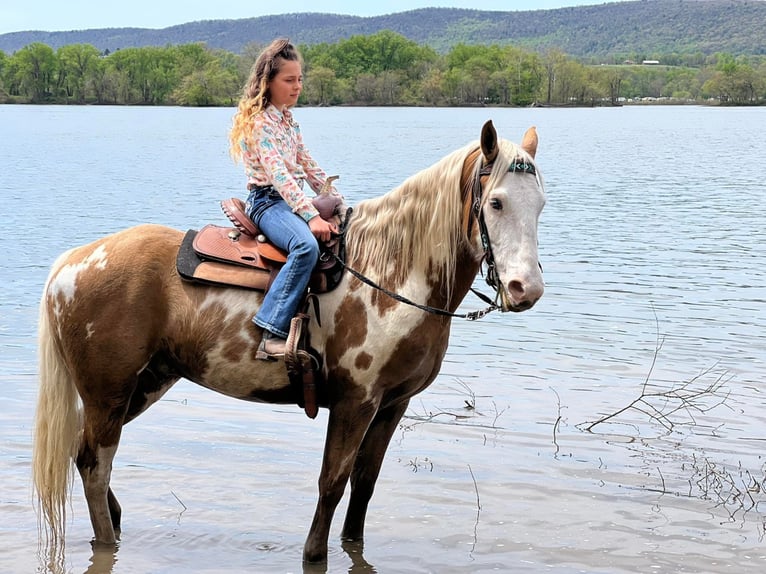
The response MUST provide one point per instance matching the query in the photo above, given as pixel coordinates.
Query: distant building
(650, 62)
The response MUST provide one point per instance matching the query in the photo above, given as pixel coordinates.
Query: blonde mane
(418, 225)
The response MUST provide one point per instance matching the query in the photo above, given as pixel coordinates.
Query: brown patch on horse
(415, 361)
(350, 327)
(383, 302)
(363, 361)
(234, 346)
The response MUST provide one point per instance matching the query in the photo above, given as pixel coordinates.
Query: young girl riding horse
(265, 137)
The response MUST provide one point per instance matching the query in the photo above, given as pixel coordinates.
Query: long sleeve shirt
(279, 158)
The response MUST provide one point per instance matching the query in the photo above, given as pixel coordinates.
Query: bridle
(488, 258)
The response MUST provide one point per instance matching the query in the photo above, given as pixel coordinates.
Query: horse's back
(148, 239)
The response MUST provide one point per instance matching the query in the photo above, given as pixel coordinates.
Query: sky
(62, 15)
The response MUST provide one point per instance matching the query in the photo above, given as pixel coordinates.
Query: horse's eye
(496, 204)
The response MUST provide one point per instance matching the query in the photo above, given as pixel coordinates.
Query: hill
(635, 27)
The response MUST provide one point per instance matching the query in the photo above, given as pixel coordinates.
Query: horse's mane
(418, 225)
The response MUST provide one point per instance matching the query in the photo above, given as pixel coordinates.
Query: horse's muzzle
(521, 295)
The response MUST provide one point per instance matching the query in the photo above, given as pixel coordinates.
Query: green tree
(430, 87)
(76, 62)
(733, 81)
(553, 63)
(213, 83)
(366, 89)
(569, 82)
(320, 86)
(33, 70)
(102, 82)
(683, 83)
(3, 66)
(377, 53)
(206, 77)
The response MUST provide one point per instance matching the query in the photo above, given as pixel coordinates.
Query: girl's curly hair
(255, 95)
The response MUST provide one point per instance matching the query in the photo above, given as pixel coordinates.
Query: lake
(653, 243)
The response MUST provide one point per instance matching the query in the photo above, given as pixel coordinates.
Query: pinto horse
(118, 327)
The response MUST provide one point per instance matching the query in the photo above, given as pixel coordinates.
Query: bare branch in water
(558, 419)
(687, 398)
(478, 511)
(661, 406)
(475, 487)
(181, 503)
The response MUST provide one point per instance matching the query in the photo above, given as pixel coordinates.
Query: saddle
(241, 256)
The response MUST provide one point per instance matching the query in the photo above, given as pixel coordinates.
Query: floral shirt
(279, 158)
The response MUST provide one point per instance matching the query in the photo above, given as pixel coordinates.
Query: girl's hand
(322, 229)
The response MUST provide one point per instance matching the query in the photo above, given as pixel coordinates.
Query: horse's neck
(466, 269)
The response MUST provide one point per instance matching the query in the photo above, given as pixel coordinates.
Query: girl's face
(286, 86)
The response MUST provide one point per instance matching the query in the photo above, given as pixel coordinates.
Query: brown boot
(272, 347)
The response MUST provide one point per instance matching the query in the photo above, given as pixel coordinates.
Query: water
(653, 247)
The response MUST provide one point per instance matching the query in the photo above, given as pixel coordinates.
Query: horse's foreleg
(367, 467)
(101, 435)
(346, 427)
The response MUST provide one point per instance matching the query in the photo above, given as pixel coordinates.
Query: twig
(182, 504)
(475, 487)
(179, 500)
(478, 511)
(558, 419)
(663, 480)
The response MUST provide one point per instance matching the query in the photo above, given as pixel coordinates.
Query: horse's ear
(529, 142)
(489, 141)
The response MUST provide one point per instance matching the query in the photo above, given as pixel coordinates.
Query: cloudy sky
(55, 15)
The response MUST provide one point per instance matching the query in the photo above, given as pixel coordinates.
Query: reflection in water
(359, 565)
(52, 558)
(352, 549)
(103, 560)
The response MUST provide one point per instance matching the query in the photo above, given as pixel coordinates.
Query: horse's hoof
(314, 557)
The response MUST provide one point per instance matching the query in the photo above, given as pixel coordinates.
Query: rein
(491, 277)
(472, 316)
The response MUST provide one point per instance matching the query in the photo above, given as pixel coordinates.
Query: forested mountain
(643, 27)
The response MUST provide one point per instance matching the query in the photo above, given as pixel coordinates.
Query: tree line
(377, 70)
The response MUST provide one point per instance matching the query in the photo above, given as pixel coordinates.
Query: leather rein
(488, 257)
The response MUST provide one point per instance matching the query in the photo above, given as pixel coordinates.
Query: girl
(268, 141)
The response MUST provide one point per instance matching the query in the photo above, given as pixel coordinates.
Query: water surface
(653, 248)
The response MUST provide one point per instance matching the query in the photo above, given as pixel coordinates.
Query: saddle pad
(192, 267)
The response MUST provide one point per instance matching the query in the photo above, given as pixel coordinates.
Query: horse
(118, 327)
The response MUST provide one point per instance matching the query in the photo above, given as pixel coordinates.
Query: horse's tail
(57, 429)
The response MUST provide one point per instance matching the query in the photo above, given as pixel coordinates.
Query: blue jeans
(290, 232)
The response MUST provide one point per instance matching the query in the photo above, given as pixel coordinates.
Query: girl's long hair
(255, 95)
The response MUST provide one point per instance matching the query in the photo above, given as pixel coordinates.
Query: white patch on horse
(89, 330)
(384, 334)
(234, 301)
(65, 283)
(239, 307)
(101, 476)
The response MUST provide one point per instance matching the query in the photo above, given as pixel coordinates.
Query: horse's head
(507, 198)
